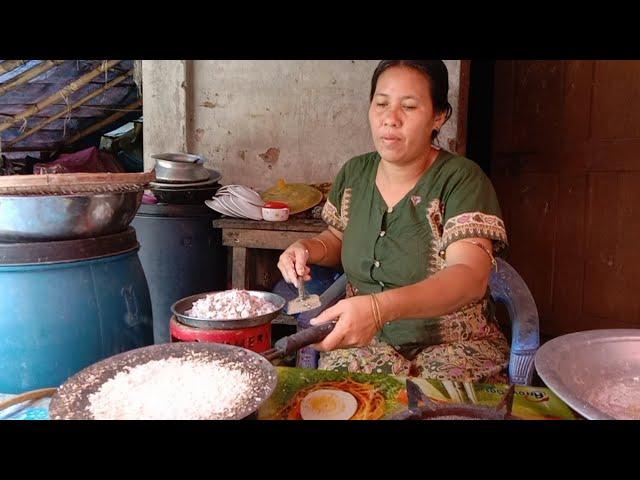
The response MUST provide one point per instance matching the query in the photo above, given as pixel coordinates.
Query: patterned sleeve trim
(330, 212)
(475, 224)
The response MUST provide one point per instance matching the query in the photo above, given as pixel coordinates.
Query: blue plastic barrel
(66, 305)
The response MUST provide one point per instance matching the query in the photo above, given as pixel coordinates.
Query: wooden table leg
(239, 274)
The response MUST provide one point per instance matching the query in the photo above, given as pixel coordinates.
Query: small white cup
(275, 212)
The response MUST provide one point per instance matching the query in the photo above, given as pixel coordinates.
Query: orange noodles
(371, 402)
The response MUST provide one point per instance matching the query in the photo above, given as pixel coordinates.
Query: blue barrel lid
(37, 253)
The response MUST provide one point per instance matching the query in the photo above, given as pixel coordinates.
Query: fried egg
(328, 404)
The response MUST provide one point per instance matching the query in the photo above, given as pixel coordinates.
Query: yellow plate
(298, 196)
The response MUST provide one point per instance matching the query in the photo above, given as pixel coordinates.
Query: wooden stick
(32, 395)
(9, 65)
(28, 75)
(77, 104)
(65, 92)
(83, 178)
(97, 126)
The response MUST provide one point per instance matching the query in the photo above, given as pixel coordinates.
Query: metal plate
(72, 399)
(298, 196)
(579, 367)
(181, 306)
(188, 196)
(214, 176)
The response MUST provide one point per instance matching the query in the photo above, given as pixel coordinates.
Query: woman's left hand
(355, 327)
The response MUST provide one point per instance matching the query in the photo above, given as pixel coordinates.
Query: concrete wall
(257, 121)
(164, 100)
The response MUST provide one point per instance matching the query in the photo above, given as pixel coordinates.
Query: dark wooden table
(246, 237)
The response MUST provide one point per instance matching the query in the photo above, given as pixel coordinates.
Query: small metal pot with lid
(180, 168)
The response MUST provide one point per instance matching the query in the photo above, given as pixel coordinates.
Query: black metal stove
(421, 407)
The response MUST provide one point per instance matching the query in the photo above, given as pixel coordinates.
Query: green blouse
(387, 248)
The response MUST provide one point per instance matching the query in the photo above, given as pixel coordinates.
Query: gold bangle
(380, 324)
(373, 312)
(376, 309)
(376, 322)
(326, 249)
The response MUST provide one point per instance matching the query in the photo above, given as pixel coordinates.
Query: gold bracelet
(485, 249)
(326, 249)
(377, 317)
(375, 313)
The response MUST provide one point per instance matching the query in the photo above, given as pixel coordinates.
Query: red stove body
(257, 338)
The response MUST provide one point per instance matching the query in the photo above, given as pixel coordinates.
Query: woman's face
(401, 115)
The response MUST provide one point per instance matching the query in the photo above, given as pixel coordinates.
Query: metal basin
(65, 217)
(596, 372)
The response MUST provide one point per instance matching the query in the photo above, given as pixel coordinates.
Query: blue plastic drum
(66, 305)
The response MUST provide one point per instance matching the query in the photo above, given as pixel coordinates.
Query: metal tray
(576, 365)
(72, 399)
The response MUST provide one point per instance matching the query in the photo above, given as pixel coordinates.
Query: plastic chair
(508, 287)
(505, 285)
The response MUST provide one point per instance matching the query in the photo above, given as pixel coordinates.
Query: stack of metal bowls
(182, 178)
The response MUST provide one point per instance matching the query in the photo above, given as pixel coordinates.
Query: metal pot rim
(178, 157)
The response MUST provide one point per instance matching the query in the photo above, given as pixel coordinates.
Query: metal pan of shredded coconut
(229, 309)
(173, 381)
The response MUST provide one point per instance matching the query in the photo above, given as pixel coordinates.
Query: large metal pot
(65, 217)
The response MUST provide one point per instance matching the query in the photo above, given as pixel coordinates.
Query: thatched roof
(52, 105)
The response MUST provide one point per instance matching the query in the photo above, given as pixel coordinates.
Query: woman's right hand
(293, 263)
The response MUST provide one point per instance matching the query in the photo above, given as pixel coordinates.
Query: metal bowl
(180, 308)
(585, 367)
(180, 168)
(65, 217)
